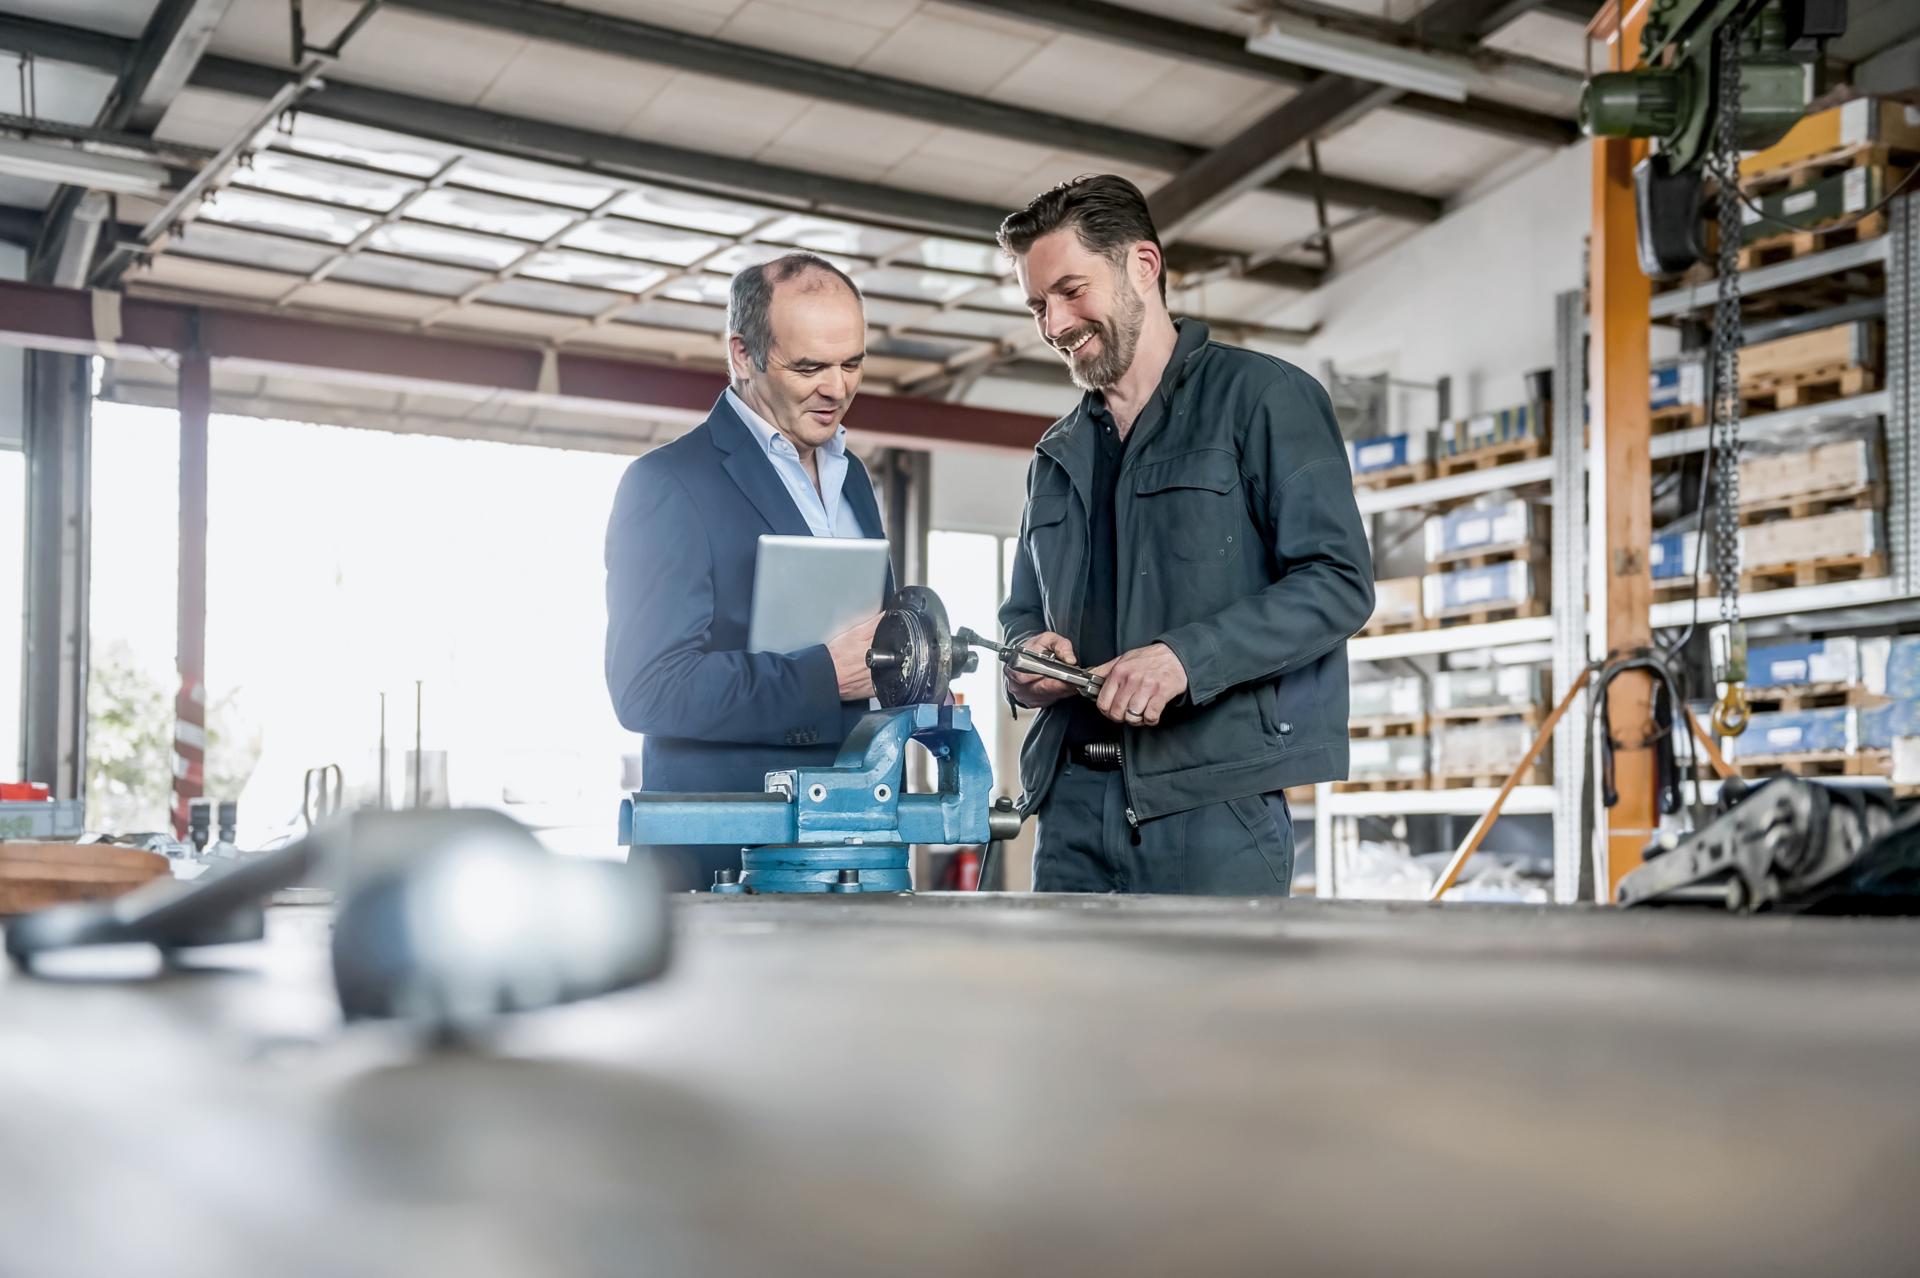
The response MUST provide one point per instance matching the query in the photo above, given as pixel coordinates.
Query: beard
(1119, 335)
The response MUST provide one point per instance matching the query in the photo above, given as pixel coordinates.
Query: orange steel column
(1619, 296)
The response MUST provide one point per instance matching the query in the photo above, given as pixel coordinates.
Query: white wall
(974, 490)
(1470, 297)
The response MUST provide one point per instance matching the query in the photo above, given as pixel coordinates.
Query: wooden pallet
(35, 875)
(1682, 588)
(1395, 476)
(1492, 455)
(1299, 796)
(1538, 774)
(1488, 556)
(1804, 505)
(1823, 763)
(1788, 245)
(1388, 726)
(1679, 417)
(1813, 572)
(1380, 785)
(1402, 626)
(1507, 612)
(1531, 713)
(1699, 273)
(1807, 386)
(1811, 696)
(1808, 169)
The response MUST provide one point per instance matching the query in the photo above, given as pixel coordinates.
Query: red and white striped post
(190, 703)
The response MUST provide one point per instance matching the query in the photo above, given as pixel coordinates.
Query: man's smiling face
(1084, 304)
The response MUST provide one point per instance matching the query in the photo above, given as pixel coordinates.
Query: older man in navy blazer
(772, 457)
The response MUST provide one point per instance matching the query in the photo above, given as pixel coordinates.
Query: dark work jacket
(686, 526)
(1240, 547)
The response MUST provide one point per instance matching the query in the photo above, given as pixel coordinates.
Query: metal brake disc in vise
(847, 826)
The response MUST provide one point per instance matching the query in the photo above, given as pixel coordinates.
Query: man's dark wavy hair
(1107, 214)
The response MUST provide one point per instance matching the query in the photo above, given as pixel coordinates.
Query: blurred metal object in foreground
(1793, 845)
(447, 917)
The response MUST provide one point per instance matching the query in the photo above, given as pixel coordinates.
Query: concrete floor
(1011, 1085)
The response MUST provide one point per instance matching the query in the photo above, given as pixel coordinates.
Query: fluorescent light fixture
(62, 162)
(1310, 44)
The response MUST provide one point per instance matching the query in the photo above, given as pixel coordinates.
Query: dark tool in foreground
(1021, 661)
(848, 827)
(1791, 844)
(448, 917)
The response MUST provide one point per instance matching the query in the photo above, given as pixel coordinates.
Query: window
(964, 569)
(343, 565)
(13, 599)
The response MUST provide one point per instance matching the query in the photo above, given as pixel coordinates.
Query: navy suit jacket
(686, 526)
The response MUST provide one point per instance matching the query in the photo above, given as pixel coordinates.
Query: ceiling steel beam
(1250, 157)
(560, 144)
(1116, 24)
(912, 99)
(175, 40)
(153, 72)
(45, 318)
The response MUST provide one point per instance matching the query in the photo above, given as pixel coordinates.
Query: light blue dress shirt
(825, 513)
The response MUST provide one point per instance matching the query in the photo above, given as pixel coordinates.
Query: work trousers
(1243, 847)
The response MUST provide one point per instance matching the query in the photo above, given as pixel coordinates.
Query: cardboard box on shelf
(1816, 661)
(1396, 601)
(1386, 452)
(1842, 534)
(1841, 465)
(1483, 527)
(1854, 344)
(1495, 586)
(1493, 748)
(1836, 196)
(1785, 732)
(1401, 698)
(1518, 688)
(1861, 122)
(1387, 758)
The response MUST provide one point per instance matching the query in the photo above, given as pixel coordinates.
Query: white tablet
(806, 590)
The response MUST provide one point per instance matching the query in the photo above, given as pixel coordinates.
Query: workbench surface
(1004, 1085)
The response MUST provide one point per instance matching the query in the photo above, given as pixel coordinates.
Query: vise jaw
(846, 827)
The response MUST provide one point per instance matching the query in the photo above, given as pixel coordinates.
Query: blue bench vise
(846, 827)
(849, 827)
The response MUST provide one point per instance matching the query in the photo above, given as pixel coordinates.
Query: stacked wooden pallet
(1482, 723)
(1487, 562)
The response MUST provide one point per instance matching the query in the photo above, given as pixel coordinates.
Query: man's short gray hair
(750, 299)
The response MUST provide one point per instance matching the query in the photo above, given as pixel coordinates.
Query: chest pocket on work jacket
(1192, 505)
(1047, 538)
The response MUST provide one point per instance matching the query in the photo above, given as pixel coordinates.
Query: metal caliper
(848, 826)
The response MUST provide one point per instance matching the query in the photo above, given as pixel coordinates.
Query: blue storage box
(1484, 430)
(1788, 732)
(1482, 526)
(1386, 452)
(1671, 556)
(1677, 384)
(1881, 724)
(1790, 665)
(1891, 667)
(1466, 589)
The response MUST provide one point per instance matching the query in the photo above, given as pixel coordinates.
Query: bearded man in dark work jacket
(1191, 534)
